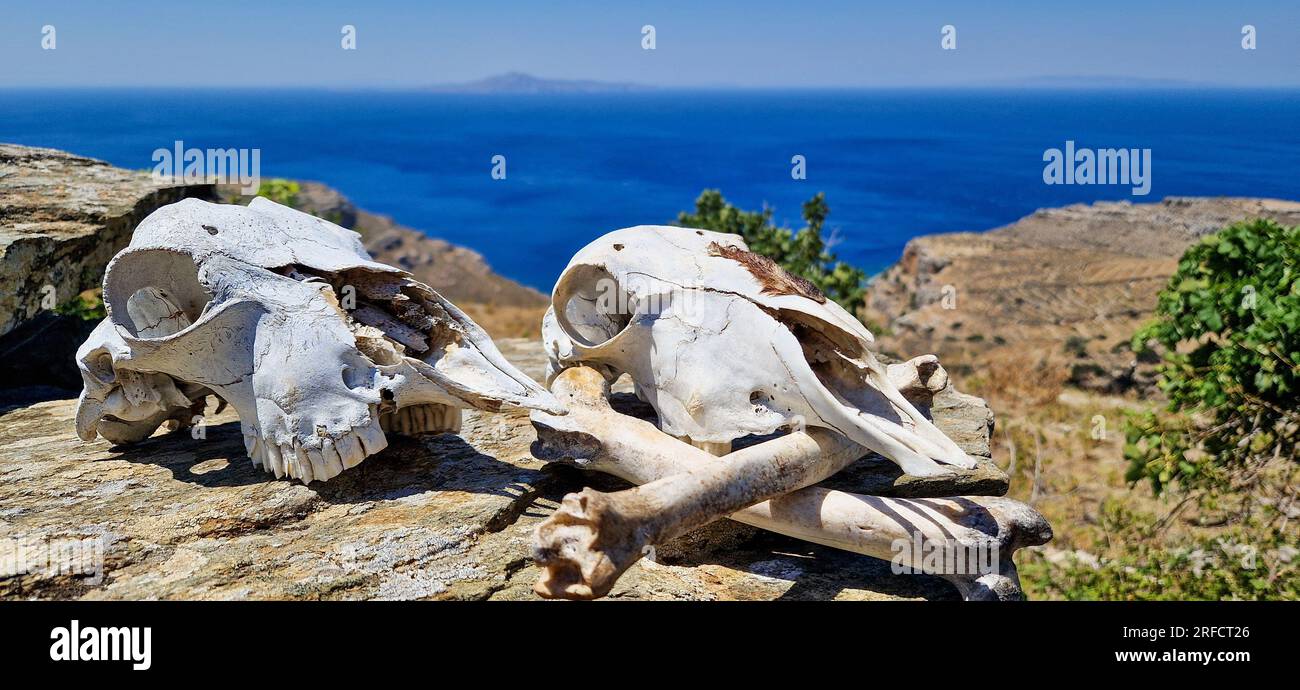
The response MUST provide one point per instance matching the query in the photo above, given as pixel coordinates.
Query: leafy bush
(802, 252)
(281, 191)
(87, 306)
(1229, 325)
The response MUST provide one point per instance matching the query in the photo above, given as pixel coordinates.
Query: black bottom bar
(931, 640)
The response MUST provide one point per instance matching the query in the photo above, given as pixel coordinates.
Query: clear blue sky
(754, 43)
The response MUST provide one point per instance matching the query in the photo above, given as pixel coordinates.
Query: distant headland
(519, 82)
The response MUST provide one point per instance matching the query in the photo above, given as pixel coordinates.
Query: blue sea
(893, 164)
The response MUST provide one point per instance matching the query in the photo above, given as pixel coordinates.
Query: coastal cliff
(500, 305)
(459, 273)
(1057, 294)
(62, 217)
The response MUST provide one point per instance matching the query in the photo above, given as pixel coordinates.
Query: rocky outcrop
(442, 517)
(1064, 288)
(500, 305)
(62, 217)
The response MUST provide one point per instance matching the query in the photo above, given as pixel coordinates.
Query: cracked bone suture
(594, 536)
(246, 304)
(723, 343)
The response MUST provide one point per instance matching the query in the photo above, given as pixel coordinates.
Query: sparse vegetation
(1231, 564)
(87, 306)
(1208, 512)
(802, 252)
(1077, 345)
(1229, 325)
(281, 191)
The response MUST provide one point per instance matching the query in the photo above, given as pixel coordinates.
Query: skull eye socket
(154, 293)
(591, 306)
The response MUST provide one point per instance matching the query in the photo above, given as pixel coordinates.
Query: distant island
(523, 83)
(518, 82)
(1083, 81)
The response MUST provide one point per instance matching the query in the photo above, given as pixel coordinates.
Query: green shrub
(281, 191)
(87, 308)
(1229, 326)
(802, 252)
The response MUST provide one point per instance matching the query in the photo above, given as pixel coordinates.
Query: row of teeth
(308, 464)
(422, 419)
(347, 451)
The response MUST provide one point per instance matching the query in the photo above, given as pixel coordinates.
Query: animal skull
(724, 343)
(253, 305)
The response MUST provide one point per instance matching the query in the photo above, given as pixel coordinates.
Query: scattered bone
(719, 448)
(585, 545)
(919, 379)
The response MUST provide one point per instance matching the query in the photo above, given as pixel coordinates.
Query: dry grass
(506, 321)
(1063, 448)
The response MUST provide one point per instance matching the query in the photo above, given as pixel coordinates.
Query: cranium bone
(723, 343)
(244, 303)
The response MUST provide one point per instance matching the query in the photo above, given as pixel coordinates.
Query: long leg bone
(595, 536)
(616, 527)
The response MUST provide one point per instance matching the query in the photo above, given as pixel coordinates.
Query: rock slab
(432, 517)
(62, 217)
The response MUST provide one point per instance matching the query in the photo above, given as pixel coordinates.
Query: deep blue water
(893, 164)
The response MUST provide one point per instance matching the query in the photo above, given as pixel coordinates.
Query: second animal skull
(724, 343)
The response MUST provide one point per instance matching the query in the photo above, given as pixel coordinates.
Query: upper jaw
(485, 385)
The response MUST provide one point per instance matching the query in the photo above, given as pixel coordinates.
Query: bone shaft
(832, 518)
(869, 525)
(701, 491)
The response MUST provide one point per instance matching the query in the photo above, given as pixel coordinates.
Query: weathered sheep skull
(318, 348)
(724, 343)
